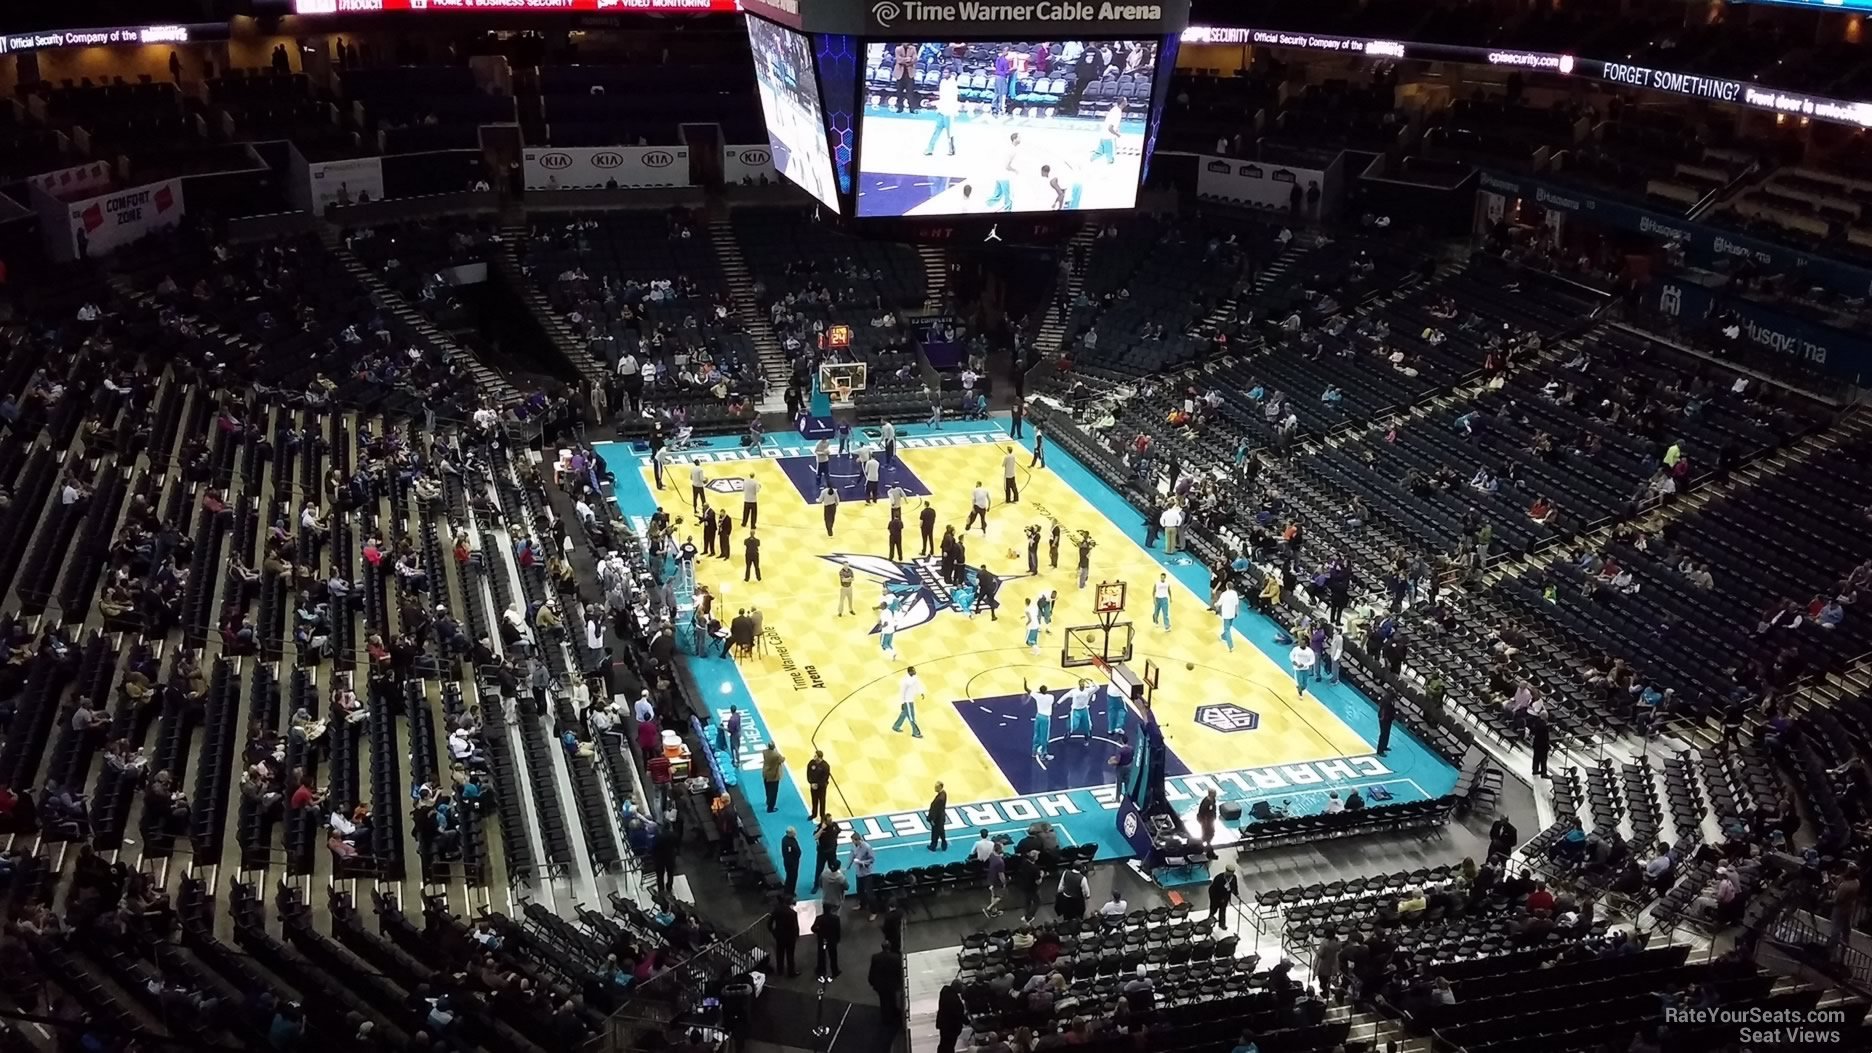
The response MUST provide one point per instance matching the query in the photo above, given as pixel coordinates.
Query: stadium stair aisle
(489, 382)
(775, 367)
(523, 846)
(547, 781)
(514, 237)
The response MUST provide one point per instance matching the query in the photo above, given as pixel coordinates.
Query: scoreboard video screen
(978, 126)
(944, 118)
(789, 95)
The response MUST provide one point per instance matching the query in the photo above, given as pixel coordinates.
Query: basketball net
(1104, 667)
(843, 391)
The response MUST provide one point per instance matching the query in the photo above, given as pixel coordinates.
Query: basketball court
(1231, 718)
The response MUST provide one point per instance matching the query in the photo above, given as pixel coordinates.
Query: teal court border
(1410, 771)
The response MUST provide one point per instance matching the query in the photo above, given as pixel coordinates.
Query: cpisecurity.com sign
(888, 16)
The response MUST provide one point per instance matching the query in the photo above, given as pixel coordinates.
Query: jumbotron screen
(789, 95)
(1003, 126)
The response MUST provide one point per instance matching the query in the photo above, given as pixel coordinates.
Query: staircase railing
(1794, 926)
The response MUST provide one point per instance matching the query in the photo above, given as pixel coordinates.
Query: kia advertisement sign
(607, 167)
(1260, 186)
(748, 165)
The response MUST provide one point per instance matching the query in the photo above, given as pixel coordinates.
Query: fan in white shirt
(1228, 605)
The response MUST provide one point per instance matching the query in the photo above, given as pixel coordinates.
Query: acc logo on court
(726, 486)
(1227, 717)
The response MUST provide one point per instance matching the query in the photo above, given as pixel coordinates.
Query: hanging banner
(606, 167)
(1836, 351)
(100, 225)
(78, 181)
(354, 181)
(1494, 206)
(1258, 184)
(748, 165)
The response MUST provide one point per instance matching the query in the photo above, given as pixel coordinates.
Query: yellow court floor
(823, 681)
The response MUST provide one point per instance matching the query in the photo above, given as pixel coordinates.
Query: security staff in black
(927, 518)
(790, 860)
(724, 525)
(783, 923)
(986, 585)
(752, 544)
(829, 501)
(896, 538)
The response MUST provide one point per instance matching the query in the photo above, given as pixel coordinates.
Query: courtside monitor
(988, 126)
(789, 94)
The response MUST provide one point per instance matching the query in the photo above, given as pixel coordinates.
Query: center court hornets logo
(1227, 717)
(916, 588)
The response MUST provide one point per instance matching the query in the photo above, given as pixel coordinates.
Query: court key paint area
(1233, 719)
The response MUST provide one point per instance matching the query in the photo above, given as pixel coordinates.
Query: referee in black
(751, 572)
(927, 519)
(896, 537)
(829, 502)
